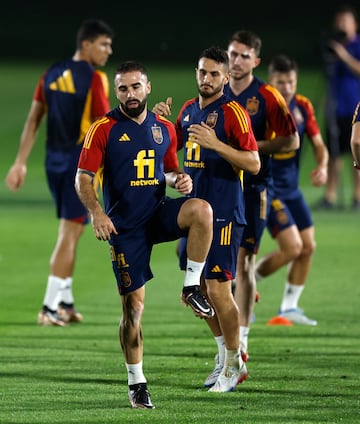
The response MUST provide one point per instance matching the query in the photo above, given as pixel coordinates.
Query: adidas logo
(124, 137)
(216, 269)
(64, 83)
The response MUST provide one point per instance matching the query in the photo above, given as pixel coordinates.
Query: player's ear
(148, 87)
(257, 61)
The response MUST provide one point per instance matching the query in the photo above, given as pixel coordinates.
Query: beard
(240, 76)
(207, 94)
(133, 112)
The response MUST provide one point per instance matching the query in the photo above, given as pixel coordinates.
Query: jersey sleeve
(171, 161)
(93, 150)
(278, 115)
(39, 94)
(238, 127)
(311, 126)
(100, 94)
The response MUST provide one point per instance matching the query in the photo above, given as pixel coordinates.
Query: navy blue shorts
(131, 249)
(61, 169)
(257, 210)
(221, 261)
(67, 203)
(287, 212)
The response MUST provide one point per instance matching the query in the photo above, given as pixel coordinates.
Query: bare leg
(290, 245)
(62, 260)
(245, 289)
(356, 182)
(227, 312)
(196, 215)
(334, 171)
(300, 267)
(130, 331)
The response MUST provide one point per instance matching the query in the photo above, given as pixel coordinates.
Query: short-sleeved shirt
(215, 179)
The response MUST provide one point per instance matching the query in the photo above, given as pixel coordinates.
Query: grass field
(77, 374)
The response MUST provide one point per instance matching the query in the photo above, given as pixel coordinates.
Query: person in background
(341, 53)
(216, 135)
(136, 151)
(290, 222)
(275, 132)
(269, 114)
(72, 93)
(355, 138)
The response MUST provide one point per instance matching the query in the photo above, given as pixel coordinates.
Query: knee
(293, 250)
(308, 248)
(132, 312)
(203, 212)
(196, 212)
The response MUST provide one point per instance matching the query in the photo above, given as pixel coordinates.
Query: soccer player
(355, 137)
(219, 145)
(290, 222)
(72, 93)
(341, 55)
(275, 131)
(136, 152)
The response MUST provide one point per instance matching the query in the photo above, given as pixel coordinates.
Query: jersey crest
(212, 119)
(252, 106)
(157, 134)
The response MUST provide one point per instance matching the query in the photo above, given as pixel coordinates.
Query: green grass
(77, 374)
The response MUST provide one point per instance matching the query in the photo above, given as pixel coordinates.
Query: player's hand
(16, 177)
(184, 184)
(203, 134)
(163, 108)
(319, 176)
(102, 225)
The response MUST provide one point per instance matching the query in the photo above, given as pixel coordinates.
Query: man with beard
(219, 145)
(135, 151)
(275, 132)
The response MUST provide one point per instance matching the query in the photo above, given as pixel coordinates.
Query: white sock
(53, 292)
(221, 348)
(66, 292)
(291, 296)
(258, 277)
(244, 333)
(193, 273)
(135, 373)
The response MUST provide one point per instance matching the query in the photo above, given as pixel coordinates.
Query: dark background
(172, 32)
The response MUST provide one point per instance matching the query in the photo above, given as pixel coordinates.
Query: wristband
(356, 165)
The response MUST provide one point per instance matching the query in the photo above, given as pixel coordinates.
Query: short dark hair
(282, 63)
(91, 29)
(248, 38)
(216, 54)
(347, 8)
(130, 66)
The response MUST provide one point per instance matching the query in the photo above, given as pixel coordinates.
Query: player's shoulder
(157, 120)
(302, 100)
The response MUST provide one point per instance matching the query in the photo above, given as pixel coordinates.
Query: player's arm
(174, 176)
(344, 55)
(280, 122)
(247, 160)
(355, 143)
(17, 173)
(319, 174)
(279, 144)
(84, 185)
